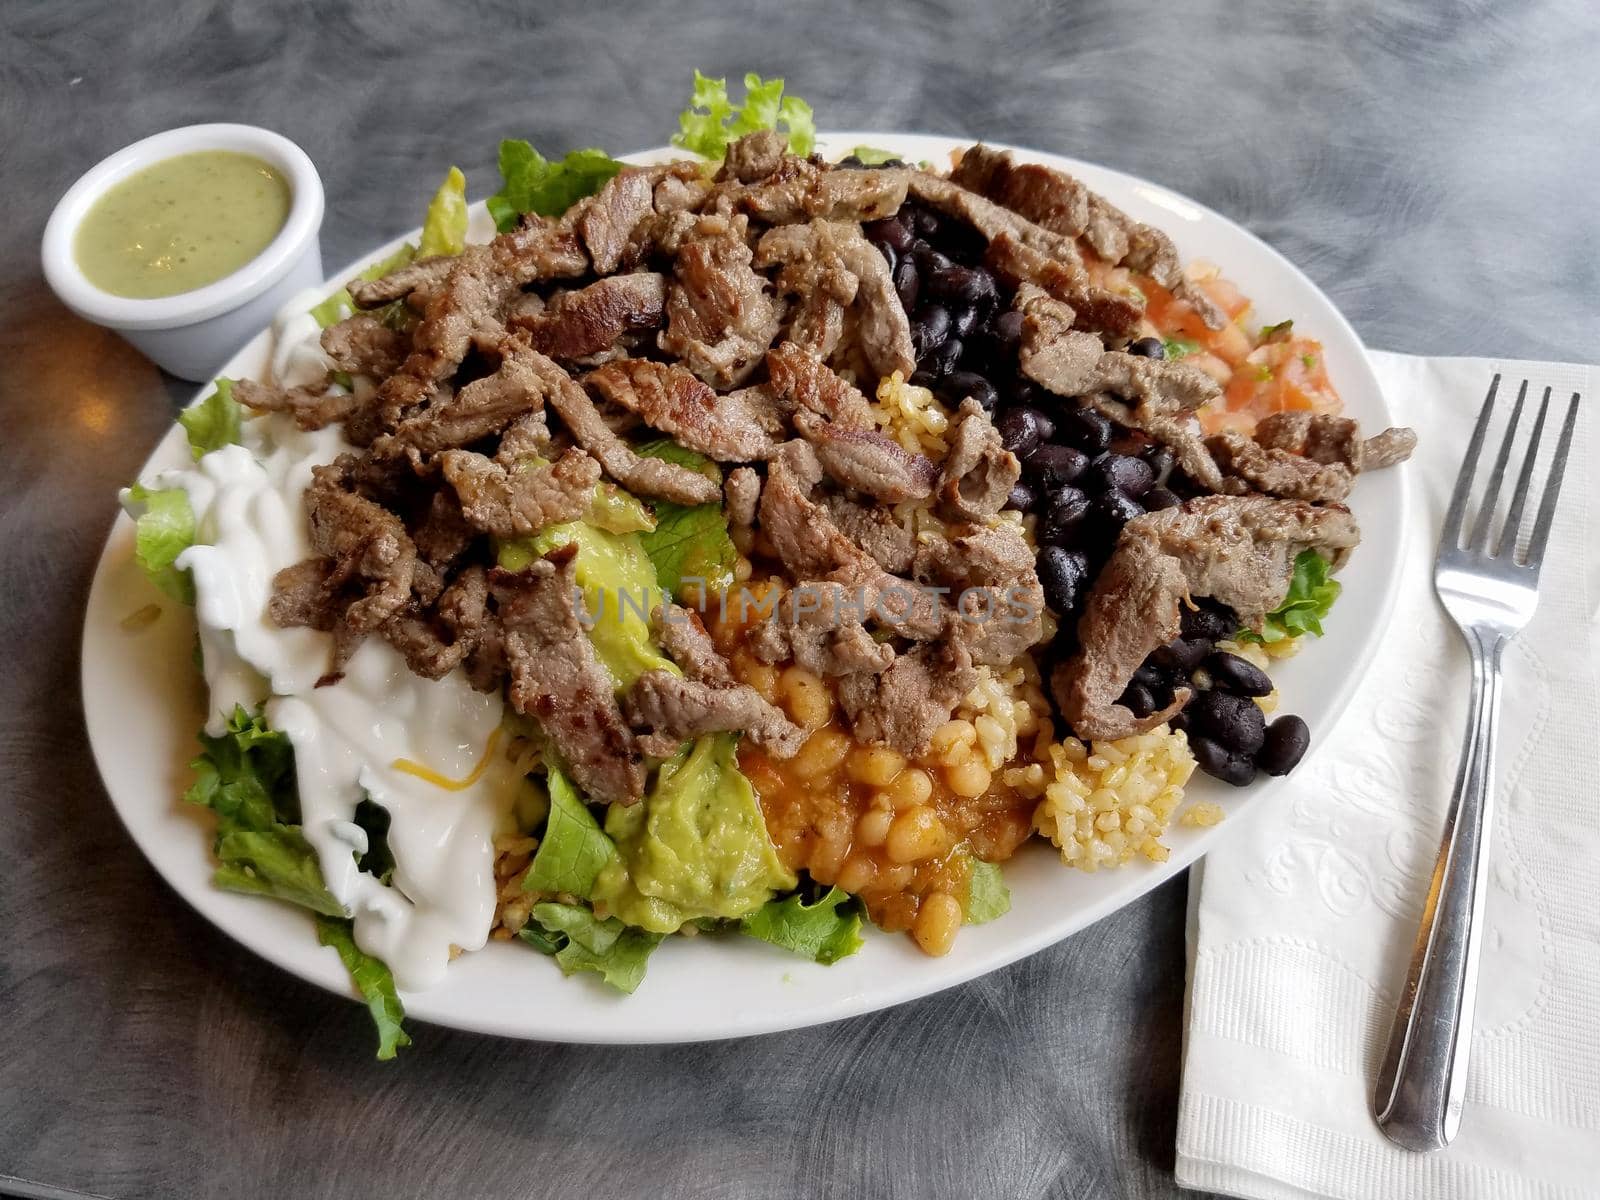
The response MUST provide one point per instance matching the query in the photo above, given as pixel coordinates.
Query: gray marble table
(1431, 165)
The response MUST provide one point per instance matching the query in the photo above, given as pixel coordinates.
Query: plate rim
(320, 966)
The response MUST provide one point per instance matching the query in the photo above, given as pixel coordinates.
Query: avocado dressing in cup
(187, 243)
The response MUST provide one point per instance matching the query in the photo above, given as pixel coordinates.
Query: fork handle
(1422, 1082)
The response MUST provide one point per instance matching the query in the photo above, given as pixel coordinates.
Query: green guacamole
(181, 224)
(696, 846)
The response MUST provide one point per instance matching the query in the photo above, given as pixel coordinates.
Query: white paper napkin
(1302, 922)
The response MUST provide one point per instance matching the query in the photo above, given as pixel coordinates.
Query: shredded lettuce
(826, 931)
(871, 156)
(246, 776)
(711, 122)
(163, 529)
(581, 941)
(574, 848)
(532, 183)
(987, 894)
(1179, 347)
(213, 422)
(444, 228)
(1312, 591)
(689, 542)
(373, 980)
(339, 305)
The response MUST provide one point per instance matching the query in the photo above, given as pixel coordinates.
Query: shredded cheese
(429, 775)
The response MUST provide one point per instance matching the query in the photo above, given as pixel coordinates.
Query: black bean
(1158, 498)
(1019, 430)
(1062, 574)
(967, 285)
(1050, 466)
(1007, 328)
(1138, 699)
(925, 223)
(941, 360)
(1149, 347)
(1062, 517)
(1181, 655)
(956, 386)
(923, 379)
(1179, 720)
(1130, 476)
(1284, 745)
(964, 321)
(1232, 720)
(930, 262)
(1021, 498)
(907, 283)
(850, 161)
(1150, 675)
(889, 232)
(1215, 760)
(1237, 675)
(929, 328)
(1209, 620)
(1160, 460)
(1085, 429)
(1112, 510)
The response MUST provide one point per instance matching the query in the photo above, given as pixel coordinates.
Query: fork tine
(1519, 498)
(1552, 487)
(1480, 528)
(1450, 535)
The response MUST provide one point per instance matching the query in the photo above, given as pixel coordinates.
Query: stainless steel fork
(1489, 584)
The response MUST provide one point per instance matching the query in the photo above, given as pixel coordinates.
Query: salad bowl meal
(690, 563)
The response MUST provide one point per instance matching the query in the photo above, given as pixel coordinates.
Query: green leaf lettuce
(373, 980)
(213, 422)
(164, 528)
(987, 894)
(444, 228)
(689, 541)
(581, 941)
(574, 848)
(711, 122)
(824, 931)
(532, 183)
(1312, 591)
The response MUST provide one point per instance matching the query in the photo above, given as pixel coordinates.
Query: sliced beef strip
(1239, 550)
(808, 544)
(875, 529)
(675, 709)
(867, 461)
(1094, 308)
(527, 436)
(517, 501)
(720, 318)
(310, 408)
(979, 472)
(799, 380)
(611, 224)
(999, 602)
(443, 534)
(485, 406)
(1278, 472)
(990, 219)
(579, 324)
(754, 156)
(1158, 397)
(706, 699)
(902, 706)
(1325, 438)
(826, 633)
(1052, 353)
(434, 646)
(310, 594)
(741, 494)
(557, 680)
(642, 476)
(420, 276)
(364, 345)
(670, 398)
(883, 329)
(815, 275)
(798, 190)
(369, 543)
(1060, 203)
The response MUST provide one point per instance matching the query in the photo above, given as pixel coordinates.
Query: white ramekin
(193, 333)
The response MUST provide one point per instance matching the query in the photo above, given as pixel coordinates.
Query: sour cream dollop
(348, 737)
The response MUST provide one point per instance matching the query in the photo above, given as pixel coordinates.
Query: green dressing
(181, 224)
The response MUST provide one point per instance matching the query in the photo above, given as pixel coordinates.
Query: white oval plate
(143, 702)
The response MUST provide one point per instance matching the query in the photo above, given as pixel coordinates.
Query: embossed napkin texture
(1301, 924)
